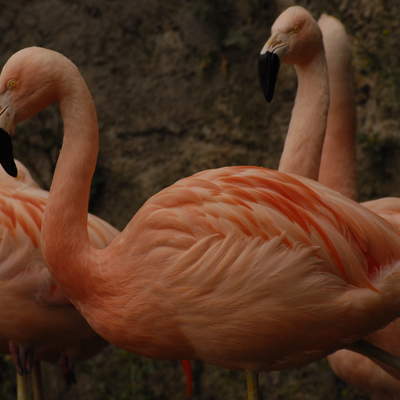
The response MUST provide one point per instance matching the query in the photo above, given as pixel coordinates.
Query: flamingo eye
(295, 29)
(11, 84)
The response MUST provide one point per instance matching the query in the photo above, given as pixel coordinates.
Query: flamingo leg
(22, 356)
(23, 392)
(375, 353)
(67, 367)
(187, 370)
(37, 383)
(253, 389)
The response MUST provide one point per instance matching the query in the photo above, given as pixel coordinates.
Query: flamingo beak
(269, 62)
(6, 154)
(268, 68)
(6, 148)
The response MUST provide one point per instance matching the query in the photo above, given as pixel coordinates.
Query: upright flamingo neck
(303, 145)
(338, 162)
(65, 239)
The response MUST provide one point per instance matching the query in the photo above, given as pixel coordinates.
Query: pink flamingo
(338, 158)
(338, 171)
(65, 319)
(234, 266)
(38, 322)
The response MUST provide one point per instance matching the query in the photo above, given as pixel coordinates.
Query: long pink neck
(64, 234)
(338, 163)
(303, 145)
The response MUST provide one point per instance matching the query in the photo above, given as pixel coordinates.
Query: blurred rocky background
(176, 88)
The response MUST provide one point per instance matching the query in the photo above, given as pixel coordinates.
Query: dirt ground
(176, 89)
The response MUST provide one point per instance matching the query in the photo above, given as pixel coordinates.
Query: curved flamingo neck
(65, 239)
(303, 145)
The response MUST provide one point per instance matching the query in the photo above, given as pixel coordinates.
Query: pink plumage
(234, 266)
(35, 312)
(229, 261)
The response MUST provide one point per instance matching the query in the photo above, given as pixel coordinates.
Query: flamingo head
(295, 39)
(27, 85)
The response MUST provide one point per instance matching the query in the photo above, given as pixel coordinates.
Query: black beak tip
(268, 68)
(6, 154)
(10, 168)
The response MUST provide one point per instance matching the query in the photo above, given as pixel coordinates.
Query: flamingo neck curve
(305, 137)
(65, 241)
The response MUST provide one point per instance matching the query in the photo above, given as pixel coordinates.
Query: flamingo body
(35, 312)
(354, 368)
(242, 254)
(386, 207)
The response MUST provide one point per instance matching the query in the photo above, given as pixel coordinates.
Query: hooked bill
(6, 154)
(268, 67)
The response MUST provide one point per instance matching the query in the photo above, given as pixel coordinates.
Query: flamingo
(22, 382)
(338, 171)
(235, 266)
(292, 42)
(38, 322)
(17, 197)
